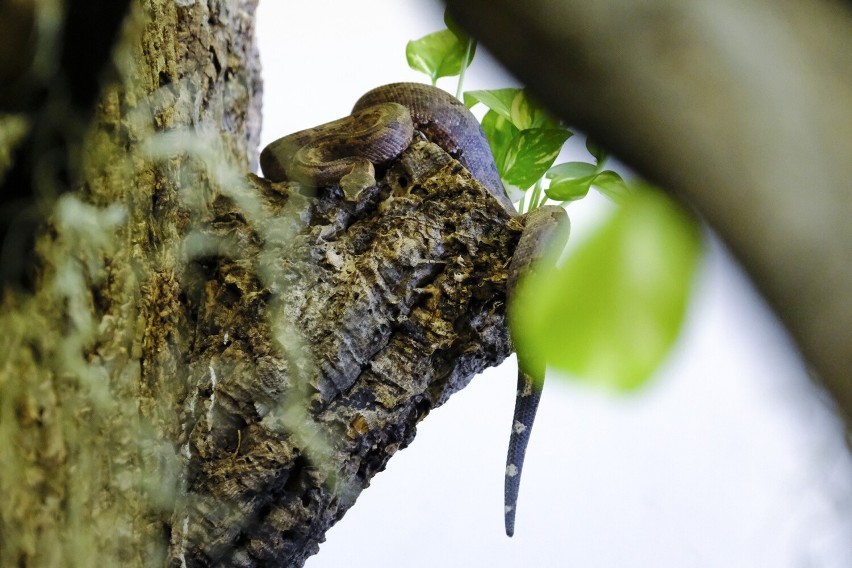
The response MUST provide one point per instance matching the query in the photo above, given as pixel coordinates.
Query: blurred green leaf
(612, 312)
(530, 154)
(570, 181)
(439, 54)
(610, 184)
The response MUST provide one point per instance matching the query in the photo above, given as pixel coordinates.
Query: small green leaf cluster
(572, 180)
(445, 53)
(524, 139)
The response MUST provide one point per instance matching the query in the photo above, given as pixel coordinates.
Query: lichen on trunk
(210, 367)
(359, 322)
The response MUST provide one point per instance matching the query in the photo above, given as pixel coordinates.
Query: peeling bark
(211, 368)
(384, 307)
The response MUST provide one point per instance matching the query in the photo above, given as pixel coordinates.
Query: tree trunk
(211, 367)
(208, 368)
(95, 358)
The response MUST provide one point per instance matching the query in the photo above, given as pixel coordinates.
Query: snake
(380, 126)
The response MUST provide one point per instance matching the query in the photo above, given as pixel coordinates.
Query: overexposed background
(730, 458)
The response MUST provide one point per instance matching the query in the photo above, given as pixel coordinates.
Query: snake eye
(402, 181)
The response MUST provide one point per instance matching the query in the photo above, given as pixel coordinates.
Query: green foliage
(514, 104)
(572, 180)
(610, 184)
(530, 154)
(440, 54)
(525, 140)
(612, 311)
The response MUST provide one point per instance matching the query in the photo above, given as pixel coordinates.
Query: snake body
(347, 147)
(445, 121)
(379, 129)
(545, 230)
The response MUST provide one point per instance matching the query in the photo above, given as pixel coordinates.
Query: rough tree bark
(94, 360)
(211, 367)
(322, 336)
(153, 401)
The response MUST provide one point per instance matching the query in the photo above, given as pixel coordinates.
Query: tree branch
(323, 336)
(740, 108)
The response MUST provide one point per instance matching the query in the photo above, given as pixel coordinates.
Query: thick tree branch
(323, 336)
(740, 108)
(208, 371)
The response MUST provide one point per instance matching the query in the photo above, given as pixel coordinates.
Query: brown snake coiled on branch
(344, 151)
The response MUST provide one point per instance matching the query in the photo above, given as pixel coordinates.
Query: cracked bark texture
(210, 368)
(94, 358)
(388, 307)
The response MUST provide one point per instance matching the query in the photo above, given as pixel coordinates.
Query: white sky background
(730, 458)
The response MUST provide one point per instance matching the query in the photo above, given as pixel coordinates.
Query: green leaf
(528, 113)
(571, 170)
(612, 312)
(570, 181)
(499, 132)
(523, 149)
(568, 189)
(498, 100)
(439, 54)
(610, 184)
(523, 111)
(514, 104)
(530, 154)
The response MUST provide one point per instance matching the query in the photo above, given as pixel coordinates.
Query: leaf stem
(465, 63)
(535, 200)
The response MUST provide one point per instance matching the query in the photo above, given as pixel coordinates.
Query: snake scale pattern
(381, 125)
